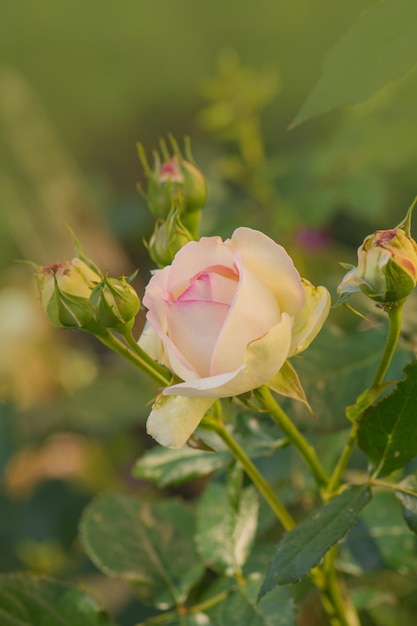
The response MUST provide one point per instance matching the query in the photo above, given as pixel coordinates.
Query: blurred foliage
(80, 83)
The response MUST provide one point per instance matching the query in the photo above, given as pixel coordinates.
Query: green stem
(394, 328)
(135, 355)
(343, 461)
(258, 480)
(340, 611)
(375, 482)
(303, 446)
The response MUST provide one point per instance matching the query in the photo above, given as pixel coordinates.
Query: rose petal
(196, 257)
(252, 314)
(151, 343)
(263, 358)
(174, 419)
(311, 318)
(195, 327)
(270, 263)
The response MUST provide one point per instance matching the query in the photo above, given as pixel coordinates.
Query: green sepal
(287, 383)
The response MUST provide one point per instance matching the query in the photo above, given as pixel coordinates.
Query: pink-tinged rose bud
(387, 266)
(173, 180)
(114, 303)
(224, 317)
(65, 289)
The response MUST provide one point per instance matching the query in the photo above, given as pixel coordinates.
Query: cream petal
(253, 313)
(151, 343)
(173, 419)
(350, 283)
(270, 263)
(263, 358)
(311, 318)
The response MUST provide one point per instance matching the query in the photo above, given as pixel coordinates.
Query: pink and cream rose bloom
(224, 317)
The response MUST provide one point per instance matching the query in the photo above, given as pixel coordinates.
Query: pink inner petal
(194, 327)
(215, 284)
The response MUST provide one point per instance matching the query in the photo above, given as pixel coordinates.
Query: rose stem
(258, 480)
(139, 358)
(305, 449)
(394, 328)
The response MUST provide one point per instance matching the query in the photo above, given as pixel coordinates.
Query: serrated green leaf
(287, 383)
(30, 601)
(165, 466)
(148, 546)
(303, 547)
(388, 432)
(241, 608)
(380, 47)
(225, 533)
(409, 501)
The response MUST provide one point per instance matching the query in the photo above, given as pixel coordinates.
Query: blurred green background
(80, 84)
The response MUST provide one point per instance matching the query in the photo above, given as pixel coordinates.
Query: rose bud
(387, 266)
(114, 303)
(224, 317)
(173, 176)
(168, 238)
(65, 290)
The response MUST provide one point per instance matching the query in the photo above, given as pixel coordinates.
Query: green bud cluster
(75, 294)
(176, 192)
(173, 179)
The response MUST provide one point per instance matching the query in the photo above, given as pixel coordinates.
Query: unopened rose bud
(387, 265)
(173, 176)
(114, 303)
(168, 238)
(65, 289)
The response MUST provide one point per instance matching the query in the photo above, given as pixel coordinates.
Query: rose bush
(224, 317)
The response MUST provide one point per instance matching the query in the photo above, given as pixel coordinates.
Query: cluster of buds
(176, 192)
(74, 294)
(387, 265)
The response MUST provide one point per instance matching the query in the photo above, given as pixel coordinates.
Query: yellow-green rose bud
(167, 239)
(387, 267)
(65, 289)
(173, 177)
(114, 303)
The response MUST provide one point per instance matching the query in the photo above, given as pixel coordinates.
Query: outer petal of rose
(270, 263)
(263, 358)
(151, 343)
(174, 419)
(311, 318)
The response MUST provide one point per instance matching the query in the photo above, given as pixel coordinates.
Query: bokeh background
(80, 84)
